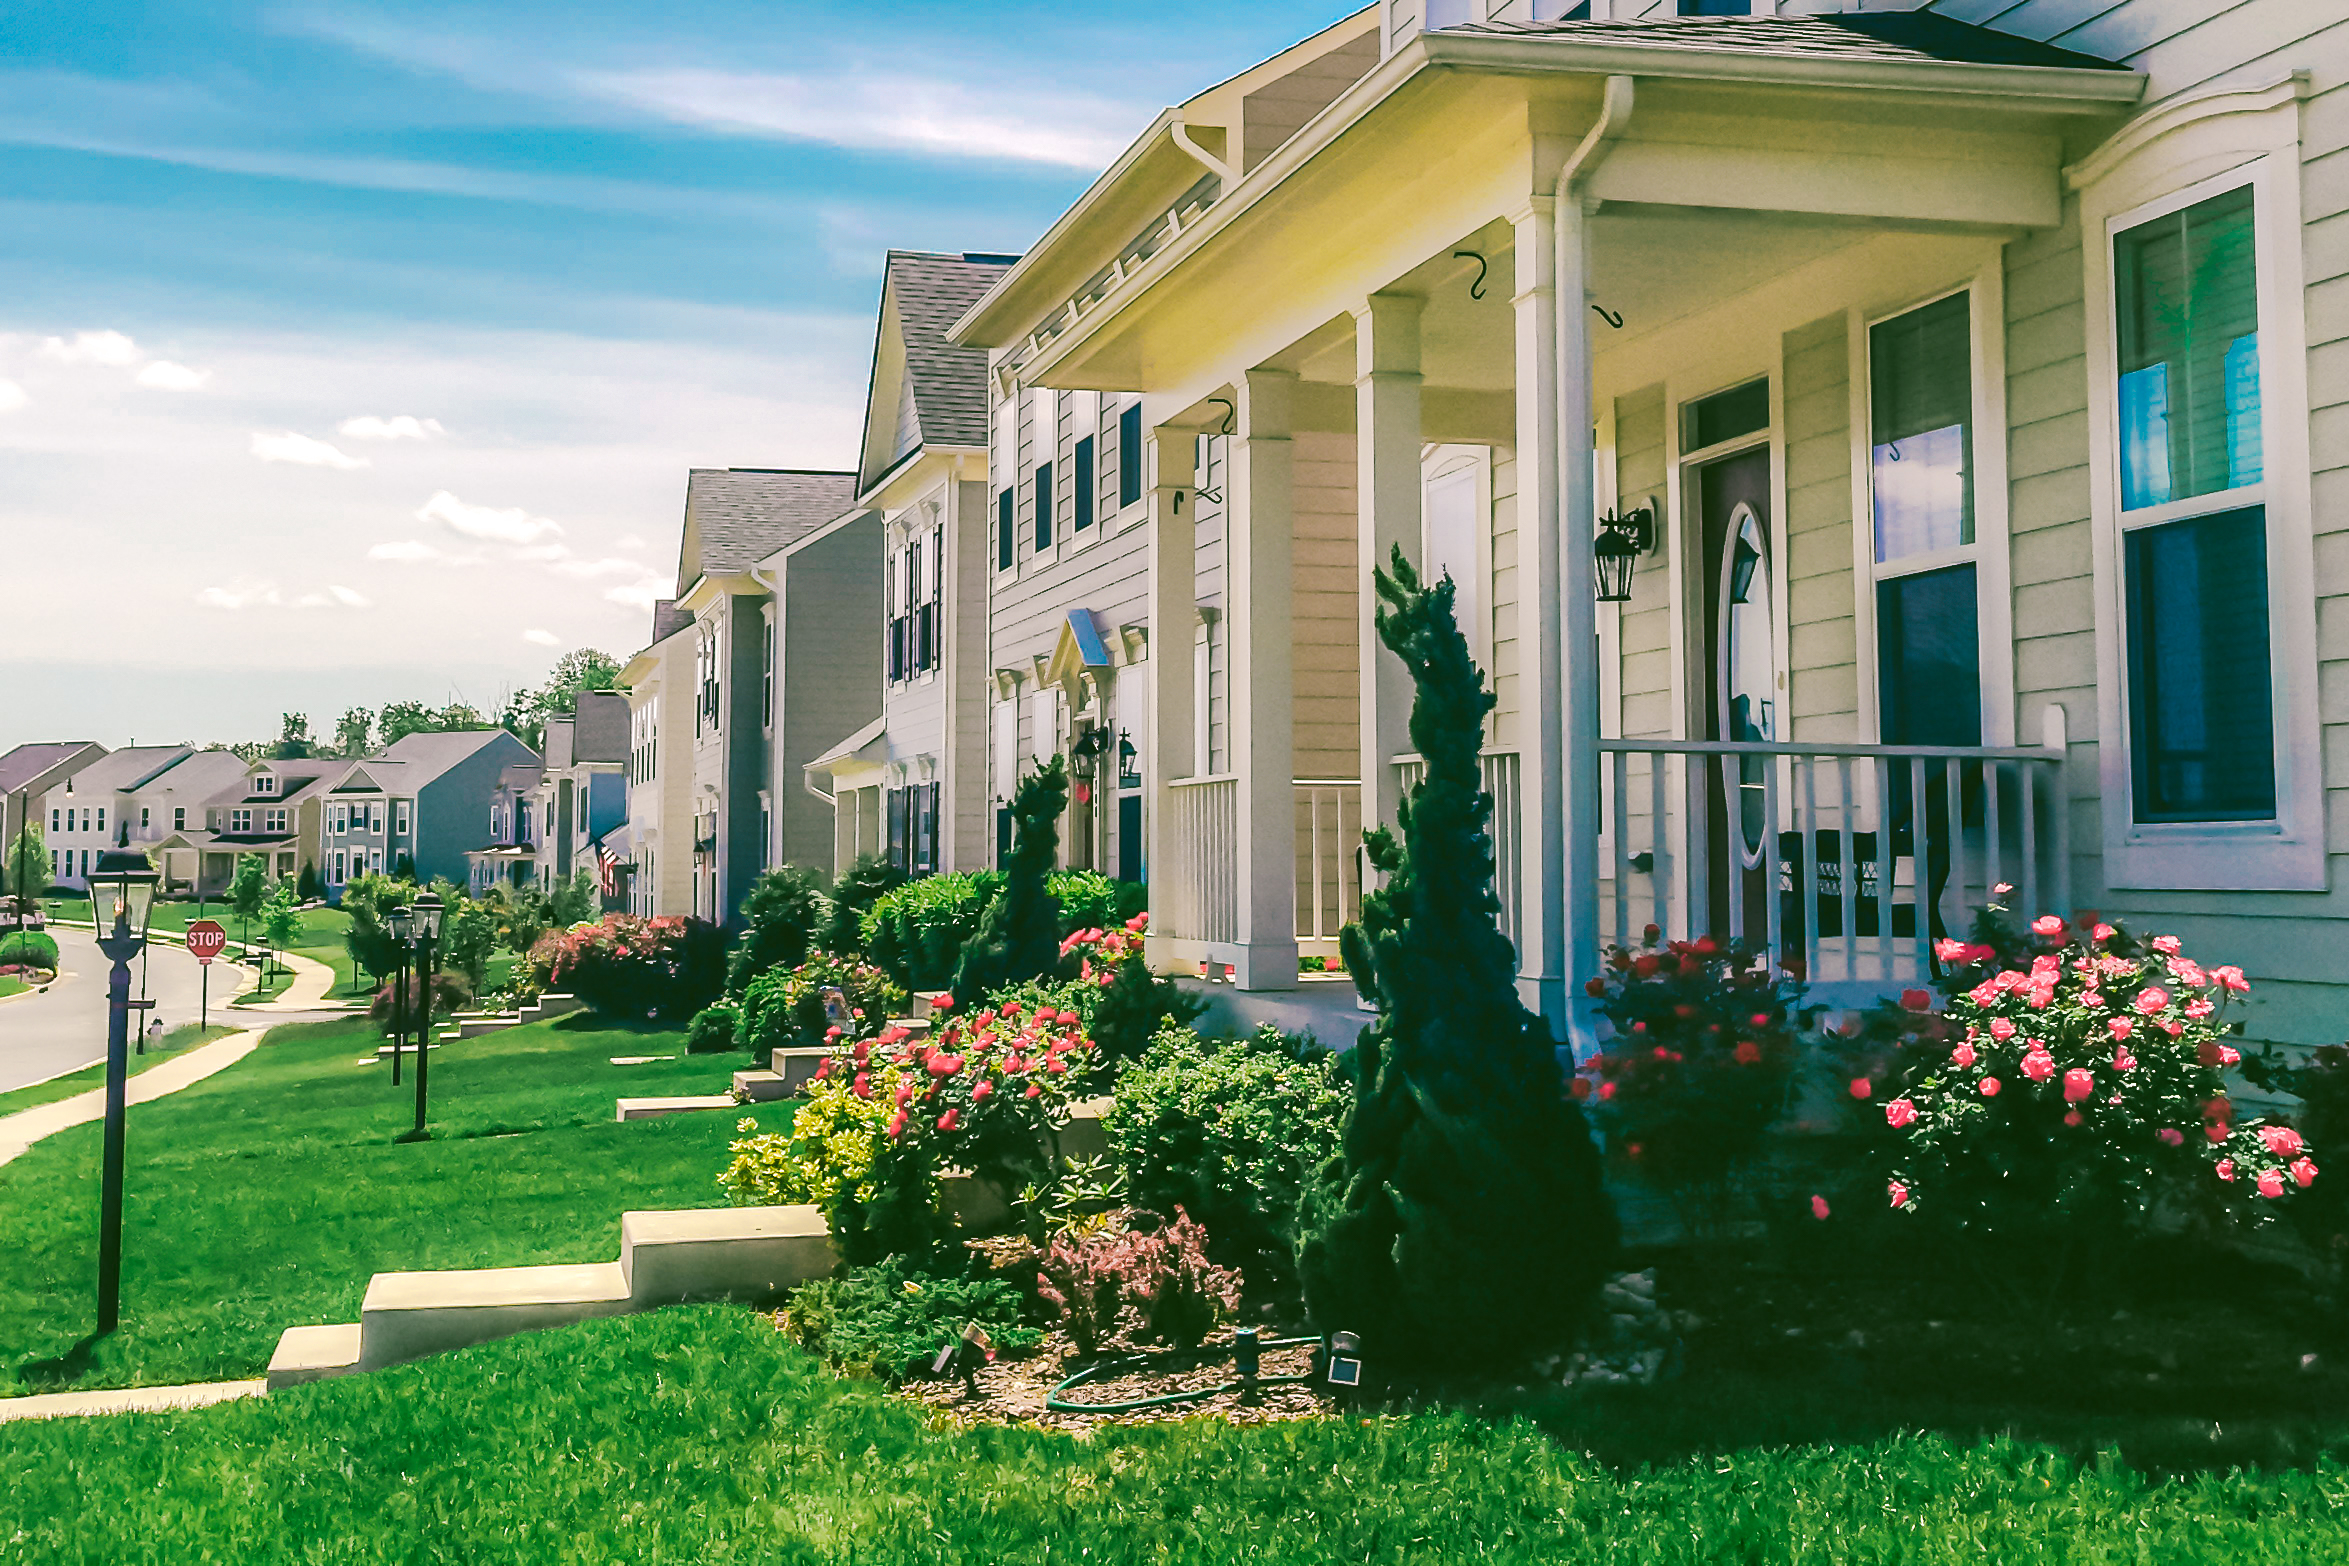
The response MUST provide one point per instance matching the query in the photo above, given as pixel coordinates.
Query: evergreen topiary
(1019, 938)
(866, 880)
(782, 912)
(306, 885)
(1463, 1223)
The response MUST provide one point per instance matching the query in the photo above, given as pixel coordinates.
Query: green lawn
(266, 1196)
(322, 933)
(698, 1435)
(177, 1041)
(10, 985)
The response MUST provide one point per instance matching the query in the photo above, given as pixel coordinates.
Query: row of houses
(478, 807)
(1890, 460)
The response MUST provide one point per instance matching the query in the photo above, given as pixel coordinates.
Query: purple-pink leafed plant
(1164, 1273)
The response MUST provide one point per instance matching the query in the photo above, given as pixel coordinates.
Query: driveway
(42, 1035)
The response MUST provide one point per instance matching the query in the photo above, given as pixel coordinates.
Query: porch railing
(1202, 894)
(1846, 862)
(1329, 861)
(1501, 780)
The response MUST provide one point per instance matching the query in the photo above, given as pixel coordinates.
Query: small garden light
(1344, 1361)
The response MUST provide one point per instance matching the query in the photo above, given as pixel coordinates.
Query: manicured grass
(322, 932)
(176, 1041)
(698, 1435)
(266, 1196)
(12, 986)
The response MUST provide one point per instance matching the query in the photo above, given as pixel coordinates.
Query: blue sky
(351, 352)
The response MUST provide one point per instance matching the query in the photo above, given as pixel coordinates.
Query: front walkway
(129, 1400)
(312, 983)
(21, 1130)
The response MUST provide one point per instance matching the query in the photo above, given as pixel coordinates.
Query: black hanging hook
(1484, 268)
(1609, 316)
(1231, 413)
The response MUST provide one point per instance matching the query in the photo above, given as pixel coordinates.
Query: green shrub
(784, 1007)
(889, 1321)
(1090, 900)
(782, 912)
(918, 931)
(1019, 936)
(712, 1029)
(1123, 1002)
(1230, 1131)
(28, 949)
(865, 882)
(628, 968)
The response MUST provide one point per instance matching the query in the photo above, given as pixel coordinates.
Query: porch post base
(1545, 995)
(1264, 965)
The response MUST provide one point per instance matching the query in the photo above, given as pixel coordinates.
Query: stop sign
(206, 940)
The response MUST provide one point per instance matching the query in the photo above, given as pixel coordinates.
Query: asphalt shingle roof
(668, 620)
(932, 292)
(600, 732)
(124, 770)
(739, 516)
(27, 762)
(1883, 35)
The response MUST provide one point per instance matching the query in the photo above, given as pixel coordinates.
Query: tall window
(1083, 485)
(2193, 514)
(1920, 469)
(1129, 455)
(179, 818)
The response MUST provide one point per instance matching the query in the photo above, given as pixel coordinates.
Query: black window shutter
(1043, 505)
(897, 843)
(1006, 530)
(1081, 482)
(1129, 455)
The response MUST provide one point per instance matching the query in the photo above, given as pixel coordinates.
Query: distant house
(29, 772)
(511, 855)
(92, 810)
(582, 799)
(425, 801)
(269, 807)
(178, 801)
(657, 846)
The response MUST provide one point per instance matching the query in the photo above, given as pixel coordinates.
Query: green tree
(868, 879)
(576, 901)
(306, 885)
(369, 900)
(1464, 1222)
(281, 919)
(293, 740)
(1019, 937)
(782, 912)
(458, 718)
(351, 733)
(585, 669)
(26, 870)
(403, 718)
(468, 934)
(248, 891)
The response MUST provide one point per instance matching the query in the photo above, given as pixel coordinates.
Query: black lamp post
(122, 898)
(403, 933)
(428, 910)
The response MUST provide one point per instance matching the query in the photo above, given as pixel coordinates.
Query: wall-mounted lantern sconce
(1621, 541)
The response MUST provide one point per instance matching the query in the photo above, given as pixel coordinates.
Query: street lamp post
(428, 917)
(403, 927)
(122, 898)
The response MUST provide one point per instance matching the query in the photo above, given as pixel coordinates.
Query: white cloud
(629, 541)
(109, 348)
(589, 569)
(890, 113)
(639, 595)
(12, 397)
(303, 451)
(414, 551)
(538, 638)
(491, 525)
(349, 598)
(163, 375)
(400, 426)
(249, 595)
(540, 554)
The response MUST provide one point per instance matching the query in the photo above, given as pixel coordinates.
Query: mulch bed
(1014, 1391)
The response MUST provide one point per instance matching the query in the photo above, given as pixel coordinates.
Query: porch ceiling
(1715, 184)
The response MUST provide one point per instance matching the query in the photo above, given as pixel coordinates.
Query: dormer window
(266, 783)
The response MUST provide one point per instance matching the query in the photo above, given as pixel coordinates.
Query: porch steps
(473, 1024)
(742, 1253)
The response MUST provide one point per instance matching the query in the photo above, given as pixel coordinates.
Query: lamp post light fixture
(122, 899)
(428, 911)
(403, 933)
(1621, 541)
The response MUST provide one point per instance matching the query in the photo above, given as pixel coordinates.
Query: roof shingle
(932, 292)
(1881, 35)
(736, 517)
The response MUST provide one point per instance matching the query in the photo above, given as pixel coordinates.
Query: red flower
(2122, 1060)
(1747, 1052)
(2103, 932)
(1861, 1087)
(2215, 1131)
(1819, 1208)
(2071, 1117)
(2170, 1136)
(1990, 1087)
(1034, 1088)
(2282, 1141)
(2232, 978)
(1606, 1091)
(1580, 1088)
(2121, 1027)
(2078, 1084)
(942, 1003)
(2151, 999)
(1644, 966)
(2271, 1183)
(1898, 1192)
(1899, 1112)
(863, 1085)
(2001, 1029)
(2167, 945)
(897, 1126)
(1963, 1056)
(2224, 1169)
(2048, 925)
(2038, 1065)
(1916, 1000)
(985, 1090)
(950, 1120)
(1596, 989)
(2303, 1172)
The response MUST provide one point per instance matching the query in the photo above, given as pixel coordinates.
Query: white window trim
(1991, 554)
(2188, 163)
(1443, 462)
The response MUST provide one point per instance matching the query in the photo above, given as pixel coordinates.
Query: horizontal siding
(1508, 649)
(1648, 710)
(1823, 694)
(1326, 649)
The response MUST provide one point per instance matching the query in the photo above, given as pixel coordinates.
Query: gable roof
(1882, 35)
(923, 293)
(734, 517)
(200, 776)
(668, 620)
(124, 770)
(424, 757)
(19, 767)
(600, 729)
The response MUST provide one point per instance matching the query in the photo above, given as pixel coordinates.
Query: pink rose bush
(2089, 1061)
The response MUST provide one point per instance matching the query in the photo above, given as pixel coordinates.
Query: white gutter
(1180, 133)
(1573, 933)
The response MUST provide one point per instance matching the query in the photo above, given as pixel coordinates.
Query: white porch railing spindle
(1847, 865)
(1621, 778)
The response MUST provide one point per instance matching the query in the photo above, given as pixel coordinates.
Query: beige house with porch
(1955, 385)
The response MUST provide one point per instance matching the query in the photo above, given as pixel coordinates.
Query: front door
(1741, 699)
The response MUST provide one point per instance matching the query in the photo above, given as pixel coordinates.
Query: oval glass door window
(1749, 670)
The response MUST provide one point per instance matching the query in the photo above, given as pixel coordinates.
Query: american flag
(607, 869)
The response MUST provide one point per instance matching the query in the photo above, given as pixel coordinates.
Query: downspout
(774, 677)
(1578, 767)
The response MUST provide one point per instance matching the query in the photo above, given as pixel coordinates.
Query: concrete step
(407, 1315)
(655, 1108)
(759, 1087)
(797, 1068)
(918, 1027)
(1084, 1136)
(384, 1051)
(475, 1027)
(547, 1006)
(314, 1354)
(738, 1253)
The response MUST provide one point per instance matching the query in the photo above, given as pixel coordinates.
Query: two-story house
(1879, 455)
(512, 852)
(736, 518)
(27, 774)
(656, 853)
(92, 810)
(913, 783)
(582, 799)
(176, 802)
(421, 806)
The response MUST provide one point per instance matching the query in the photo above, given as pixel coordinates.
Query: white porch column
(1258, 527)
(1387, 447)
(1541, 931)
(1577, 588)
(1168, 750)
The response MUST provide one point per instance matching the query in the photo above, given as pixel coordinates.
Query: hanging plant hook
(1609, 316)
(1476, 290)
(1231, 413)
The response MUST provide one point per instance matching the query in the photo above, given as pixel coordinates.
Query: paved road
(42, 1035)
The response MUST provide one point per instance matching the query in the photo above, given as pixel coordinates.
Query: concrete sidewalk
(312, 982)
(21, 1130)
(128, 1400)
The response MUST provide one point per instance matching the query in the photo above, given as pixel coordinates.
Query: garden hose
(1057, 1404)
